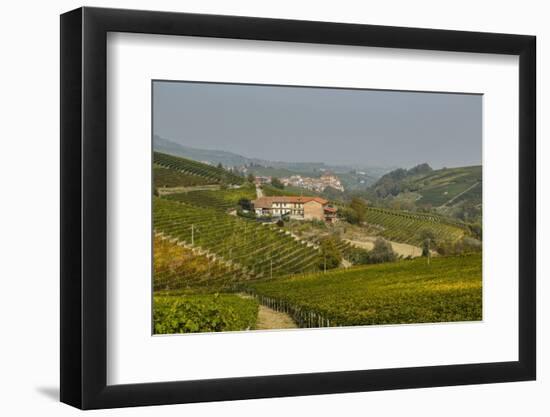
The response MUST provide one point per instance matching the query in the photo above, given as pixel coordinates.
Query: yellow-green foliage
(447, 289)
(203, 313)
(177, 268)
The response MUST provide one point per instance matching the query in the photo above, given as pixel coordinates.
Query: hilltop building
(299, 208)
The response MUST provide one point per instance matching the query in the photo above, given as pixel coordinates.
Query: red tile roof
(267, 202)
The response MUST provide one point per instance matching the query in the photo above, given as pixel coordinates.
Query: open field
(448, 289)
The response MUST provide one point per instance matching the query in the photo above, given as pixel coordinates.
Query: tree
(245, 204)
(382, 252)
(348, 215)
(251, 178)
(359, 207)
(276, 182)
(428, 241)
(220, 165)
(330, 255)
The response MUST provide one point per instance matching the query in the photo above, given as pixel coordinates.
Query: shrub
(330, 257)
(382, 252)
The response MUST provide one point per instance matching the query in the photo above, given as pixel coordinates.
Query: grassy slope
(449, 289)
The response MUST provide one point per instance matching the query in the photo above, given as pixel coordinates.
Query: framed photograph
(259, 208)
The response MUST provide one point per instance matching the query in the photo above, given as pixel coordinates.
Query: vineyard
(179, 268)
(270, 191)
(165, 178)
(263, 250)
(217, 199)
(211, 173)
(440, 186)
(203, 313)
(448, 289)
(406, 227)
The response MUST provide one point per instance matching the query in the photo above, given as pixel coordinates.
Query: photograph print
(285, 207)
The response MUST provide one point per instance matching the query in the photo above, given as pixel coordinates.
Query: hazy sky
(336, 126)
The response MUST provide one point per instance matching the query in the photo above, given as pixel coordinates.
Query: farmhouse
(299, 208)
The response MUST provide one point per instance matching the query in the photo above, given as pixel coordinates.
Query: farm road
(269, 319)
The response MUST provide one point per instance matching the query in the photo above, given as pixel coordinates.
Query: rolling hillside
(263, 250)
(217, 199)
(406, 227)
(448, 289)
(440, 188)
(189, 167)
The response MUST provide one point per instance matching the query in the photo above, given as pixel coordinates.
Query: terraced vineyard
(164, 177)
(188, 166)
(270, 191)
(448, 289)
(217, 199)
(263, 250)
(180, 268)
(405, 227)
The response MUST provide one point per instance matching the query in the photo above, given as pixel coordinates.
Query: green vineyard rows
(203, 313)
(448, 289)
(264, 250)
(164, 177)
(189, 166)
(405, 227)
(218, 199)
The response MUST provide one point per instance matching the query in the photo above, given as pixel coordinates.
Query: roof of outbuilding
(267, 202)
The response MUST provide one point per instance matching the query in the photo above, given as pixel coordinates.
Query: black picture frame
(84, 207)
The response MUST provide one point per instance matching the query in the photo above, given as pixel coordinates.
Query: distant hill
(354, 176)
(443, 188)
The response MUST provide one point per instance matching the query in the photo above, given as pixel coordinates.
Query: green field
(203, 313)
(217, 199)
(263, 250)
(406, 227)
(446, 290)
(190, 167)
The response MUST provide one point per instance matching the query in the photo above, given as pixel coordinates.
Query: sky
(337, 126)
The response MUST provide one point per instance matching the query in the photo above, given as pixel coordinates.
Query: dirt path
(458, 195)
(402, 249)
(269, 319)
